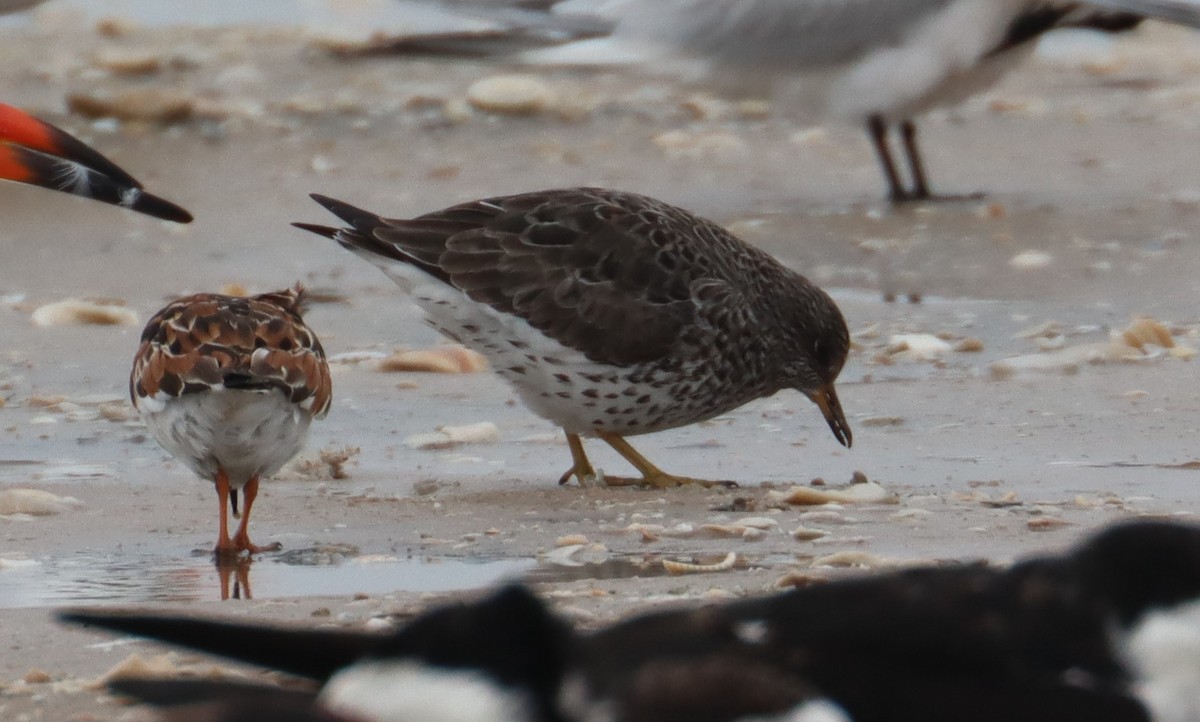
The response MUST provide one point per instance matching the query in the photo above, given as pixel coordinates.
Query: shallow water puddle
(124, 579)
(88, 579)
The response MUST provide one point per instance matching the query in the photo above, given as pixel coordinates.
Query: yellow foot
(652, 476)
(663, 480)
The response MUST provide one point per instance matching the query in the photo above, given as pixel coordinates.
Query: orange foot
(227, 548)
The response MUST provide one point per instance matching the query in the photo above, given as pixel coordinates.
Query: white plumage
(877, 62)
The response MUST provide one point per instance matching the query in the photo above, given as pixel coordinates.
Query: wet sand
(1091, 216)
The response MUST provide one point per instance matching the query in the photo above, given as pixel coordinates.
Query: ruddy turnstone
(34, 152)
(1109, 632)
(876, 62)
(611, 314)
(228, 385)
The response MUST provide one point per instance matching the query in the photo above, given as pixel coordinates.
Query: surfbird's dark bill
(612, 314)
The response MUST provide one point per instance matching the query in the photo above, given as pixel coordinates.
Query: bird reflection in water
(234, 572)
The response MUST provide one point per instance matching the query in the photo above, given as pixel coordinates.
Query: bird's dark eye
(824, 354)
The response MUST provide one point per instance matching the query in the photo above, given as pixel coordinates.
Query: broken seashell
(563, 555)
(918, 346)
(35, 502)
(477, 433)
(1026, 260)
(1049, 329)
(512, 94)
(77, 312)
(799, 580)
(721, 530)
(877, 421)
(330, 463)
(803, 533)
(136, 666)
(128, 62)
(1147, 331)
(860, 559)
(147, 105)
(869, 493)
(448, 437)
(439, 359)
(674, 567)
(1046, 523)
(758, 522)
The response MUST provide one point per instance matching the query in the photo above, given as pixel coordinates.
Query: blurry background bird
(35, 152)
(881, 63)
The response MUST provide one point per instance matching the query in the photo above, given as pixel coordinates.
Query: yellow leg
(651, 474)
(581, 468)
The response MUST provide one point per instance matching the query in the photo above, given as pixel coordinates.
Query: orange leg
(225, 548)
(241, 540)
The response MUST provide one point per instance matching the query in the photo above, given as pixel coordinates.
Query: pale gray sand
(1091, 218)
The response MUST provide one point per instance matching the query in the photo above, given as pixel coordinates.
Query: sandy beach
(1022, 370)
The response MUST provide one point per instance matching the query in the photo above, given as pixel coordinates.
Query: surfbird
(34, 152)
(228, 385)
(612, 314)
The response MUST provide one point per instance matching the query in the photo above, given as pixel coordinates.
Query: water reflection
(323, 570)
(91, 578)
(237, 571)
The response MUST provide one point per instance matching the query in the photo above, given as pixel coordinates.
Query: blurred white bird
(882, 62)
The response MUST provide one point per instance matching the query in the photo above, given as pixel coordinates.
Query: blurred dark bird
(1109, 632)
(611, 314)
(34, 152)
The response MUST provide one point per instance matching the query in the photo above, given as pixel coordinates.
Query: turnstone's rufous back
(612, 314)
(34, 152)
(228, 385)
